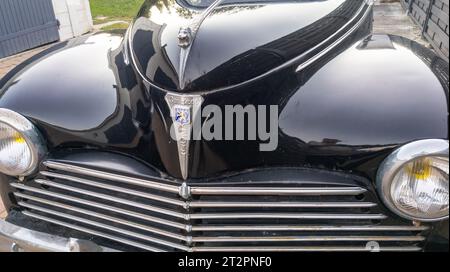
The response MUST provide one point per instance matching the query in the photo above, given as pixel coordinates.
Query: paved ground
(2, 211)
(8, 63)
(391, 18)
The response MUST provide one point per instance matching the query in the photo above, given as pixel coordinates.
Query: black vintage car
(100, 147)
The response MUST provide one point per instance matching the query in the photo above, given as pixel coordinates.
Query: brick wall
(432, 16)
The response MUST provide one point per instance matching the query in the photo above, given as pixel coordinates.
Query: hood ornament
(187, 34)
(184, 110)
(184, 37)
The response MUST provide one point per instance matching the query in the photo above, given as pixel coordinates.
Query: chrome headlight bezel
(400, 158)
(30, 134)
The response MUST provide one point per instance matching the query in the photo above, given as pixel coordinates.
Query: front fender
(72, 87)
(383, 90)
(81, 95)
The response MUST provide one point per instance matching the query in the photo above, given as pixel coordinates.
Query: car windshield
(206, 3)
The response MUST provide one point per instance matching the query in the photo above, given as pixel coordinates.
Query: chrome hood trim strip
(363, 12)
(189, 34)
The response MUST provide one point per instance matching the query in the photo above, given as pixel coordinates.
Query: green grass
(114, 9)
(115, 26)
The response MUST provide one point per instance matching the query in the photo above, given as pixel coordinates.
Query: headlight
(21, 146)
(414, 180)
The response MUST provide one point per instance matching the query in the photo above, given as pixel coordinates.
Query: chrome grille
(162, 215)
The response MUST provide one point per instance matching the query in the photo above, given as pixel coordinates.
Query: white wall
(74, 16)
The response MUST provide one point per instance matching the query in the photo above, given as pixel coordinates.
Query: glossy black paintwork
(345, 112)
(81, 83)
(241, 41)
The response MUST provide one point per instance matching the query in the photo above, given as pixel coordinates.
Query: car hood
(235, 43)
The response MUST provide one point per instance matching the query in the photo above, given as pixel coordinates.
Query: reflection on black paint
(142, 50)
(235, 49)
(123, 132)
(264, 58)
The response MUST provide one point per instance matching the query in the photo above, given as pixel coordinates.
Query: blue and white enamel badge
(183, 110)
(182, 115)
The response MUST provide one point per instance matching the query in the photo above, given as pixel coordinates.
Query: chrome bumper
(18, 239)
